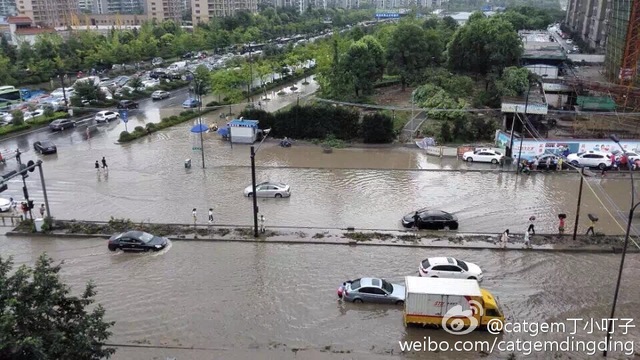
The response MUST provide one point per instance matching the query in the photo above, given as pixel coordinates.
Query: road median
(74, 229)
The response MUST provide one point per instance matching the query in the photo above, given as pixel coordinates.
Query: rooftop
(33, 31)
(595, 103)
(243, 123)
(19, 20)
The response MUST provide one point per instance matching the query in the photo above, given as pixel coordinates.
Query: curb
(603, 250)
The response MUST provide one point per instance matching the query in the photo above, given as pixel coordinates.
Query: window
(453, 268)
(355, 284)
(439, 268)
(153, 9)
(197, 11)
(378, 291)
(367, 290)
(376, 283)
(463, 265)
(387, 287)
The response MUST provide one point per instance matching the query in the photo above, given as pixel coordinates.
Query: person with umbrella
(531, 229)
(593, 219)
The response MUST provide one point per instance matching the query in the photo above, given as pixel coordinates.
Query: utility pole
(575, 226)
(526, 104)
(253, 193)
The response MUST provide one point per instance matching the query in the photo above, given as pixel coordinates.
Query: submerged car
(127, 104)
(372, 290)
(106, 116)
(269, 189)
(45, 147)
(190, 103)
(448, 267)
(137, 241)
(61, 124)
(160, 94)
(431, 220)
(542, 162)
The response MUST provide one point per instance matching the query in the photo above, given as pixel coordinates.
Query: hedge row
(149, 128)
(34, 123)
(321, 121)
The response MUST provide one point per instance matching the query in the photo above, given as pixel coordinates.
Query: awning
(200, 128)
(224, 131)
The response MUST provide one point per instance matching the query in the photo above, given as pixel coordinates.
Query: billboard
(532, 148)
(387, 15)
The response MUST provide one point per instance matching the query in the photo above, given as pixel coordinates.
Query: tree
(86, 91)
(39, 319)
(136, 83)
(363, 64)
(377, 129)
(409, 52)
(17, 118)
(484, 45)
(513, 82)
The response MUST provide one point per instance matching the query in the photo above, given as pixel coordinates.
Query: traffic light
(30, 203)
(3, 181)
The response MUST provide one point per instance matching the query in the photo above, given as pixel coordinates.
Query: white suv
(599, 159)
(105, 116)
(448, 267)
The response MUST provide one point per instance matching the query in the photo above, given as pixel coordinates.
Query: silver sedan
(269, 189)
(372, 290)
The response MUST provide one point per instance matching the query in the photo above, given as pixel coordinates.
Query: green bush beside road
(140, 131)
(34, 123)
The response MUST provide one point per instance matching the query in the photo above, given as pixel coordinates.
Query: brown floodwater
(235, 301)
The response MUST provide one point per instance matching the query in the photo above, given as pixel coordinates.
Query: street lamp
(253, 182)
(197, 89)
(624, 248)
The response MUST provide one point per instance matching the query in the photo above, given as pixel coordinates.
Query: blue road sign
(124, 115)
(387, 15)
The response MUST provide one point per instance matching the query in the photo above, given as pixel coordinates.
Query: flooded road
(147, 181)
(267, 299)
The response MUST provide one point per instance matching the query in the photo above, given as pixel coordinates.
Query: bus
(9, 95)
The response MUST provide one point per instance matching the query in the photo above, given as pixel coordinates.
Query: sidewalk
(352, 237)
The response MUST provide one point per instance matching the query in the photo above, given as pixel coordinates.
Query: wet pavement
(270, 301)
(147, 181)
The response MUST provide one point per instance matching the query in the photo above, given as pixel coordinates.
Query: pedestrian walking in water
(25, 209)
(262, 219)
(504, 239)
(591, 228)
(531, 229)
(42, 211)
(14, 206)
(195, 216)
(548, 163)
(97, 166)
(210, 216)
(104, 163)
(559, 164)
(561, 226)
(416, 218)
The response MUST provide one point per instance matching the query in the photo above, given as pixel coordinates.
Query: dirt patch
(393, 95)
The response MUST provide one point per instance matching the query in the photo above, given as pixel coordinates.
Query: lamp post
(624, 248)
(197, 84)
(256, 233)
(526, 104)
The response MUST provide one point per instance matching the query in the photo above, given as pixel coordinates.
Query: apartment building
(48, 13)
(165, 10)
(7, 7)
(589, 19)
(203, 10)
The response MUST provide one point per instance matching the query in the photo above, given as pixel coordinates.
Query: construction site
(604, 98)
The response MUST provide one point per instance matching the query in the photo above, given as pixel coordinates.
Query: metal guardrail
(10, 220)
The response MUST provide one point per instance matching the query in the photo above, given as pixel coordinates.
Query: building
(22, 29)
(203, 10)
(48, 13)
(8, 8)
(123, 6)
(616, 39)
(588, 19)
(160, 10)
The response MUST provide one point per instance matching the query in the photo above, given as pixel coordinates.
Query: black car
(432, 220)
(45, 147)
(61, 124)
(137, 241)
(542, 162)
(127, 104)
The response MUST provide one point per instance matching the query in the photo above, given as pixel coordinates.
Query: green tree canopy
(484, 45)
(39, 319)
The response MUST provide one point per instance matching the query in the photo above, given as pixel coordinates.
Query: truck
(439, 302)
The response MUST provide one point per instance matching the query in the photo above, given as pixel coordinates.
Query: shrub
(150, 127)
(125, 136)
(187, 113)
(377, 129)
(18, 118)
(138, 129)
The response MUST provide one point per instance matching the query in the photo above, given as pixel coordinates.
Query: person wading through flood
(104, 164)
(531, 229)
(504, 239)
(97, 166)
(416, 218)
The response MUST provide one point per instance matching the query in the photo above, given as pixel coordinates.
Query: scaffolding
(617, 38)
